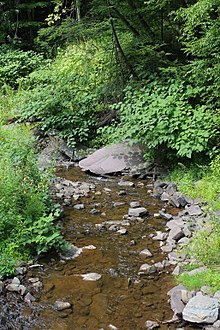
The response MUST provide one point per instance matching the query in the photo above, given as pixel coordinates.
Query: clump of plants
(160, 113)
(69, 93)
(27, 224)
(16, 64)
(199, 181)
(202, 181)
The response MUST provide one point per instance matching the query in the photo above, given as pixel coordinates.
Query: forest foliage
(101, 71)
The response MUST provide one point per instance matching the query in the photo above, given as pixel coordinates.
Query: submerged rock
(70, 253)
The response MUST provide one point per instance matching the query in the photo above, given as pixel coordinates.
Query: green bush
(199, 181)
(162, 114)
(69, 93)
(16, 64)
(26, 223)
(210, 278)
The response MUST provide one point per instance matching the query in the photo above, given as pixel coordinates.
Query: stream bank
(118, 274)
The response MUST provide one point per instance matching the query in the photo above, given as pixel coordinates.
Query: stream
(123, 297)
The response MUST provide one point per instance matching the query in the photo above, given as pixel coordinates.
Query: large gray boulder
(114, 158)
(201, 309)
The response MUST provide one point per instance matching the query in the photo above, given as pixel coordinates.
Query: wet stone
(29, 298)
(165, 197)
(100, 226)
(62, 305)
(135, 204)
(137, 212)
(91, 277)
(175, 223)
(126, 183)
(167, 248)
(160, 236)
(122, 193)
(37, 285)
(146, 253)
(33, 279)
(21, 270)
(112, 327)
(175, 234)
(15, 281)
(94, 211)
(116, 204)
(180, 198)
(150, 325)
(79, 206)
(122, 231)
(165, 216)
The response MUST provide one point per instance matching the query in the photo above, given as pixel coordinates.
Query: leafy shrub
(68, 94)
(26, 225)
(7, 102)
(15, 64)
(162, 114)
(199, 181)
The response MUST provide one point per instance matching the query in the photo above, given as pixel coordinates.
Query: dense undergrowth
(27, 223)
(203, 182)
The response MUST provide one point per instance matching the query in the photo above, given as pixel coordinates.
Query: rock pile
(197, 307)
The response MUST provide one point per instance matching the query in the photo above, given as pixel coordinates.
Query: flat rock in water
(114, 158)
(91, 277)
(201, 309)
(146, 253)
(137, 212)
(62, 305)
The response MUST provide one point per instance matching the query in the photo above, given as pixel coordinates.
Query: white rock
(112, 327)
(137, 212)
(61, 305)
(15, 281)
(91, 277)
(89, 247)
(146, 253)
(150, 325)
(201, 309)
(122, 231)
(135, 204)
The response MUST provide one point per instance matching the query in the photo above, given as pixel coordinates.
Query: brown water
(121, 297)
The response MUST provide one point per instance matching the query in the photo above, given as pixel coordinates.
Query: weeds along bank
(202, 182)
(27, 225)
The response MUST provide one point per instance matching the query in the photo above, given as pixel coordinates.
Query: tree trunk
(118, 45)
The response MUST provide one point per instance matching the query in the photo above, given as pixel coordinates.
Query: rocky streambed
(117, 275)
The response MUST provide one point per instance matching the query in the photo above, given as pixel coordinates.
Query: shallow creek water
(121, 297)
